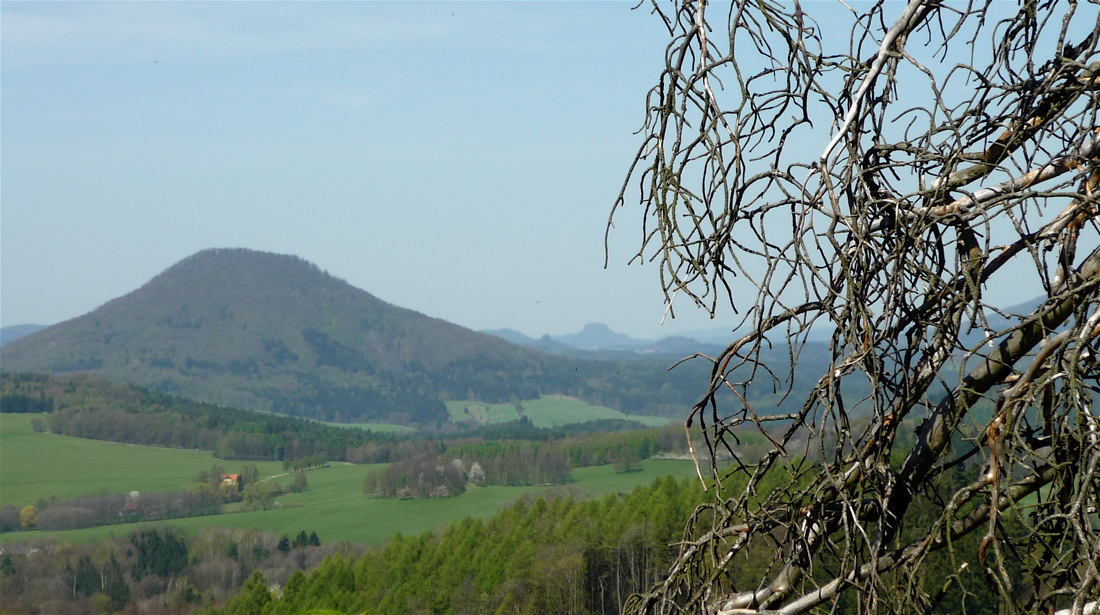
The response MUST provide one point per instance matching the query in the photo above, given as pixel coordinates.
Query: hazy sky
(456, 158)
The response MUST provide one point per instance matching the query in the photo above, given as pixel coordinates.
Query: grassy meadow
(34, 465)
(40, 465)
(547, 411)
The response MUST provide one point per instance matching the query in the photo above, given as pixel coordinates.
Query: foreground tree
(878, 181)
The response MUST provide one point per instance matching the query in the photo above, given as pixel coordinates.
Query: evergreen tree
(252, 599)
(85, 578)
(114, 585)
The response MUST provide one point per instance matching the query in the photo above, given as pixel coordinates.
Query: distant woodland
(536, 556)
(438, 464)
(275, 333)
(548, 555)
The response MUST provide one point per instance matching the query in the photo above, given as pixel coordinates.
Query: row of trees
(20, 403)
(445, 471)
(87, 406)
(108, 509)
(205, 496)
(425, 476)
(305, 463)
(91, 407)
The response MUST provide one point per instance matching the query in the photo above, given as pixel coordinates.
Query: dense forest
(151, 570)
(548, 555)
(537, 555)
(275, 333)
(88, 406)
(559, 555)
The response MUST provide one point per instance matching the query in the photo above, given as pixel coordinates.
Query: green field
(480, 413)
(34, 465)
(40, 465)
(548, 411)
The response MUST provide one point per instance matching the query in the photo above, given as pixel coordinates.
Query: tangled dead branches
(876, 173)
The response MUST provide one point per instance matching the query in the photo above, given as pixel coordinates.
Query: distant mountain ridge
(14, 332)
(598, 335)
(598, 339)
(273, 332)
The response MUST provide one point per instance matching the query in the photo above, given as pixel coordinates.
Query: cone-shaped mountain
(274, 332)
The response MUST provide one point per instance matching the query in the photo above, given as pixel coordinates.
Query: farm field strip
(39, 465)
(547, 411)
(34, 465)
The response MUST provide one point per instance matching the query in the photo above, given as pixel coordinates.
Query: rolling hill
(14, 332)
(275, 333)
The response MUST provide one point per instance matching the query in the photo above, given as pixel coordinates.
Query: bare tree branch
(961, 159)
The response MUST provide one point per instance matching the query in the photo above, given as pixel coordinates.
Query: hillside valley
(269, 332)
(272, 332)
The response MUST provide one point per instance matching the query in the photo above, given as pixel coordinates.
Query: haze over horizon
(458, 158)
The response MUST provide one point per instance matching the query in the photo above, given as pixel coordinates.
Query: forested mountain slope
(273, 332)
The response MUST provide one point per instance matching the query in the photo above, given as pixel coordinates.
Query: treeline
(322, 400)
(537, 556)
(27, 404)
(423, 476)
(445, 470)
(639, 386)
(152, 570)
(108, 509)
(88, 406)
(560, 555)
(505, 464)
(205, 496)
(545, 555)
(413, 390)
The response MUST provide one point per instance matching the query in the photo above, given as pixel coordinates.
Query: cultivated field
(34, 465)
(548, 411)
(40, 465)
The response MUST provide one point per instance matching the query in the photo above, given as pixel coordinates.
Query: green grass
(598, 480)
(41, 465)
(36, 465)
(337, 510)
(558, 410)
(480, 413)
(548, 411)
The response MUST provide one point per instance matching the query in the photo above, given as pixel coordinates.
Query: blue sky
(456, 158)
